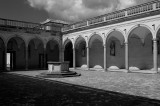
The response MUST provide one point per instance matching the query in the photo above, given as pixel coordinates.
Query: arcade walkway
(139, 84)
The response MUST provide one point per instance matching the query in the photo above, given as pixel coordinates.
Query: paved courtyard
(138, 84)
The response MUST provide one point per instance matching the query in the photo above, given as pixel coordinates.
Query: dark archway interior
(140, 48)
(81, 54)
(96, 53)
(115, 53)
(35, 54)
(2, 59)
(52, 51)
(158, 47)
(16, 48)
(68, 53)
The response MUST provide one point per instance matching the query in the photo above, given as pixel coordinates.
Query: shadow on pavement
(18, 90)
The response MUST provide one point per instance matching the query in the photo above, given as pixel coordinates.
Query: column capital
(126, 43)
(154, 39)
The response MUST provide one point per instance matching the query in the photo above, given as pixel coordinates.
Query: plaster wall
(140, 54)
(80, 59)
(96, 54)
(34, 56)
(119, 58)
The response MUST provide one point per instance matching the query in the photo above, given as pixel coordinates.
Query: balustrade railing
(157, 5)
(96, 20)
(143, 8)
(21, 24)
(80, 24)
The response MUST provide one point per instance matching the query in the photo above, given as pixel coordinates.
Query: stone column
(88, 58)
(74, 58)
(62, 55)
(26, 58)
(45, 60)
(155, 63)
(5, 58)
(126, 57)
(105, 67)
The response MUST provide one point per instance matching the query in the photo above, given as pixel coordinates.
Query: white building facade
(127, 40)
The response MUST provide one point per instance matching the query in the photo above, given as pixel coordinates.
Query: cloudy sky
(68, 10)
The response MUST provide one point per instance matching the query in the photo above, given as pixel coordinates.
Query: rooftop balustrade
(132, 11)
(21, 24)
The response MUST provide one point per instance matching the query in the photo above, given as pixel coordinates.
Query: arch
(81, 52)
(115, 49)
(54, 40)
(120, 38)
(14, 36)
(96, 51)
(66, 42)
(16, 50)
(2, 54)
(78, 40)
(36, 53)
(156, 32)
(36, 38)
(52, 50)
(68, 52)
(140, 47)
(4, 40)
(139, 25)
(93, 37)
(158, 44)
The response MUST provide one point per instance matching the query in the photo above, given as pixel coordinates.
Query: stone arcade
(125, 40)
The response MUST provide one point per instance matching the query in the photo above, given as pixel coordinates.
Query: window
(112, 48)
(83, 50)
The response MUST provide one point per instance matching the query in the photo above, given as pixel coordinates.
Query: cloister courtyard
(92, 88)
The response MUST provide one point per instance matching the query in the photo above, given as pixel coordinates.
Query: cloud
(75, 10)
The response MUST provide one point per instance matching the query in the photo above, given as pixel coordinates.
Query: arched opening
(36, 54)
(52, 51)
(140, 49)
(68, 52)
(15, 54)
(96, 52)
(115, 50)
(158, 47)
(81, 52)
(2, 55)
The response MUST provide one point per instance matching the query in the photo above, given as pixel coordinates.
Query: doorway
(10, 61)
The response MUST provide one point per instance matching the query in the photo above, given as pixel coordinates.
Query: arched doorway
(140, 48)
(16, 54)
(2, 56)
(68, 52)
(158, 47)
(52, 51)
(81, 52)
(36, 54)
(115, 50)
(96, 52)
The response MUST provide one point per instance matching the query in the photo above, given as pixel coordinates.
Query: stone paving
(138, 84)
(20, 90)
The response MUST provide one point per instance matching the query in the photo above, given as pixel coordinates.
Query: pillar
(105, 67)
(5, 58)
(62, 55)
(155, 63)
(74, 58)
(126, 57)
(45, 60)
(26, 58)
(88, 58)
